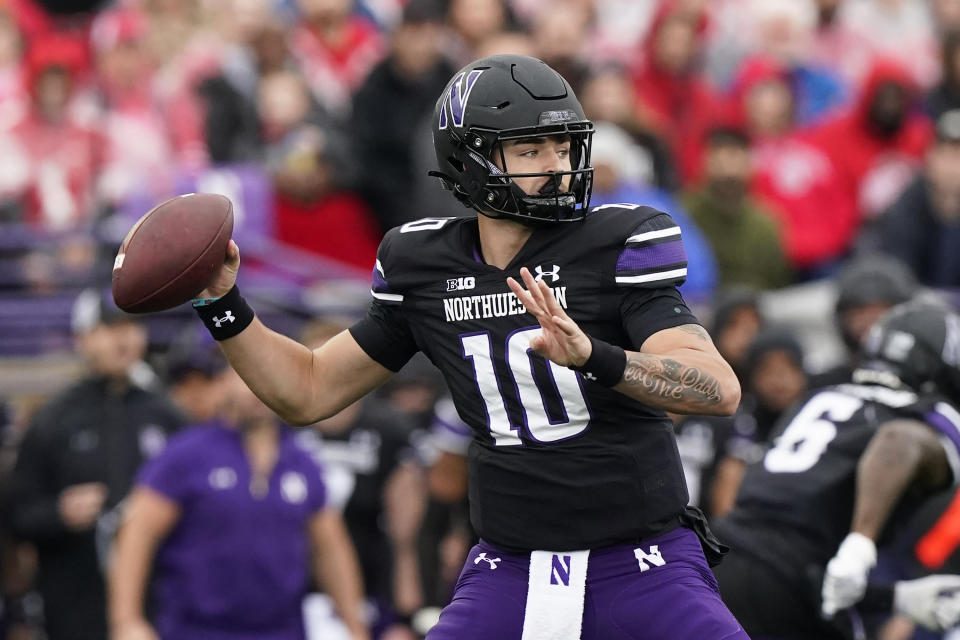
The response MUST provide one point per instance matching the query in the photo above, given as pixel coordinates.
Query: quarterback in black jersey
(850, 465)
(576, 487)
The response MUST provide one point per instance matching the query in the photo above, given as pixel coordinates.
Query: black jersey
(795, 506)
(557, 461)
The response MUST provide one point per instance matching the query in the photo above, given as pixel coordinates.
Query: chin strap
(450, 184)
(444, 178)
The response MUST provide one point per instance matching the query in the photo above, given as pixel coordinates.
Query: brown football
(171, 254)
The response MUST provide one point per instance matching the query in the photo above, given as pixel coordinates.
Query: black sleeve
(647, 311)
(34, 509)
(385, 335)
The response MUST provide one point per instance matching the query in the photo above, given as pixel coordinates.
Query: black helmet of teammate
(874, 278)
(917, 345)
(510, 97)
(871, 280)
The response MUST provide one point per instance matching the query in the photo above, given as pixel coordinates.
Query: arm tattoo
(670, 384)
(696, 331)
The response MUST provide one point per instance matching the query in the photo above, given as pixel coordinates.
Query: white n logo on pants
(653, 557)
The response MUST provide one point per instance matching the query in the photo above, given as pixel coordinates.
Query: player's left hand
(932, 602)
(561, 340)
(846, 579)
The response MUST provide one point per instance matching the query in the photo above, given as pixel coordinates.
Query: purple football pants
(675, 600)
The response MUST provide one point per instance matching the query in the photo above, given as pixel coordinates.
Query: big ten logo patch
(461, 284)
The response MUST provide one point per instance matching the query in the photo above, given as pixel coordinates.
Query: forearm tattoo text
(670, 380)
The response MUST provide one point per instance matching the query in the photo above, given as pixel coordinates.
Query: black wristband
(227, 316)
(605, 365)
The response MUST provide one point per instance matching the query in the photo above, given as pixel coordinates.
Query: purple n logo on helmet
(456, 100)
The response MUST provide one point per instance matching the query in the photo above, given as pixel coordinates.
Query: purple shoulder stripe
(946, 420)
(666, 254)
(379, 283)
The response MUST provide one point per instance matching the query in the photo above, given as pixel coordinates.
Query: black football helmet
(872, 279)
(510, 97)
(917, 345)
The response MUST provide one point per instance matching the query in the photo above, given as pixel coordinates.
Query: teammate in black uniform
(857, 453)
(573, 462)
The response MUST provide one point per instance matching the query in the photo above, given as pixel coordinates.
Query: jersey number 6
(478, 347)
(805, 439)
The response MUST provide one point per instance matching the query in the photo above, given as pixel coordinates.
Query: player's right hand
(846, 579)
(80, 504)
(561, 340)
(138, 629)
(932, 602)
(224, 280)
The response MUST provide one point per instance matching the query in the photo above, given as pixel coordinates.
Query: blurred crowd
(809, 150)
(786, 135)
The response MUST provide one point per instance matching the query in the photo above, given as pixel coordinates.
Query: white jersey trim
(653, 277)
(391, 297)
(653, 235)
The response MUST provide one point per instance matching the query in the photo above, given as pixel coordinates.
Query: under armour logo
(541, 273)
(227, 317)
(483, 556)
(589, 376)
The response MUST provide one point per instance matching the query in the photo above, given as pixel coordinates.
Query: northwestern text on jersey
(493, 305)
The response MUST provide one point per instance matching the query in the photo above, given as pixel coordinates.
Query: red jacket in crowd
(796, 178)
(679, 105)
(877, 165)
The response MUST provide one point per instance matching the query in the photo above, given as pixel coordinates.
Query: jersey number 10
(478, 348)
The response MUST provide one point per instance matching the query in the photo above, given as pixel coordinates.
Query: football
(170, 255)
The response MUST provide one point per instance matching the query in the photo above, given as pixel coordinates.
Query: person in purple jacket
(231, 516)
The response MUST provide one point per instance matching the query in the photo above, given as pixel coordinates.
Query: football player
(575, 482)
(845, 471)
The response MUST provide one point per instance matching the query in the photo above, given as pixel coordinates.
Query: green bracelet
(202, 302)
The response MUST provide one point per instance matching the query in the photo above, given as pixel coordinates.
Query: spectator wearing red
(307, 163)
(673, 97)
(138, 152)
(13, 90)
(336, 49)
(32, 19)
(50, 161)
(794, 177)
(878, 144)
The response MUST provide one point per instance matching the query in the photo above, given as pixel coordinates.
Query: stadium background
(789, 138)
